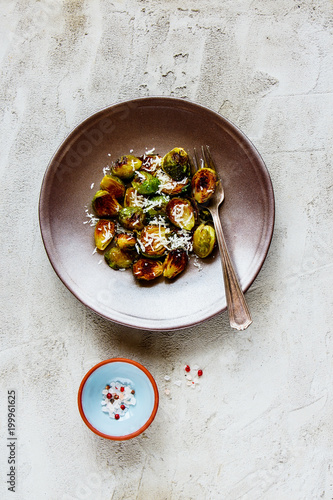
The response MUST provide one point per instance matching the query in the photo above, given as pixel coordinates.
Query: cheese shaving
(167, 183)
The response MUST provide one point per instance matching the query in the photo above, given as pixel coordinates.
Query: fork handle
(239, 314)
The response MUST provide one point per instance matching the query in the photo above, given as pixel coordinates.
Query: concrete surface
(261, 427)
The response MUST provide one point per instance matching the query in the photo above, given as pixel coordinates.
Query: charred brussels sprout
(176, 164)
(105, 205)
(126, 241)
(150, 163)
(204, 240)
(114, 186)
(119, 259)
(175, 262)
(125, 166)
(204, 184)
(132, 218)
(181, 213)
(145, 183)
(104, 233)
(133, 199)
(153, 241)
(147, 269)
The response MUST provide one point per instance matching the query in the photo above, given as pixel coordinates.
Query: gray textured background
(261, 426)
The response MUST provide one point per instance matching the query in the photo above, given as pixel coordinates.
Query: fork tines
(206, 160)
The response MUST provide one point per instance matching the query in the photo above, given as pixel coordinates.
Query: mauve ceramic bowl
(75, 172)
(138, 417)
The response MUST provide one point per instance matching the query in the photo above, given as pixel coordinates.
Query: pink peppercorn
(116, 416)
(200, 372)
(187, 368)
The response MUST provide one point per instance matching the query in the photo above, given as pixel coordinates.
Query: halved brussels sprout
(104, 233)
(105, 205)
(156, 205)
(169, 186)
(204, 239)
(114, 186)
(150, 163)
(204, 184)
(119, 259)
(132, 218)
(145, 183)
(205, 216)
(126, 241)
(176, 164)
(175, 263)
(179, 238)
(133, 199)
(125, 166)
(147, 269)
(181, 213)
(153, 241)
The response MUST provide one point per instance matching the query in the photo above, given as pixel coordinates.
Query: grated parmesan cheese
(106, 170)
(108, 234)
(151, 151)
(167, 183)
(92, 218)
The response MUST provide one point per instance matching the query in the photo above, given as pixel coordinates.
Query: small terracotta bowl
(139, 416)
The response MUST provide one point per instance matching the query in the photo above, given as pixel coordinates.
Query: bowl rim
(152, 415)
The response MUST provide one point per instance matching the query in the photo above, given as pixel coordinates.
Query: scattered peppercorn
(116, 416)
(187, 368)
(200, 372)
(109, 396)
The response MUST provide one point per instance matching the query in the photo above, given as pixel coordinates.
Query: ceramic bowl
(160, 124)
(138, 417)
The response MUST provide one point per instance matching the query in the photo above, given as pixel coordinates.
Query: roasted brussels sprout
(156, 205)
(104, 233)
(204, 184)
(204, 216)
(204, 240)
(114, 186)
(179, 238)
(105, 205)
(119, 259)
(132, 218)
(147, 269)
(125, 166)
(171, 187)
(150, 163)
(126, 241)
(153, 241)
(145, 183)
(175, 263)
(133, 199)
(181, 213)
(176, 164)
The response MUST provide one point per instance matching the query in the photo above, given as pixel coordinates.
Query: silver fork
(239, 314)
